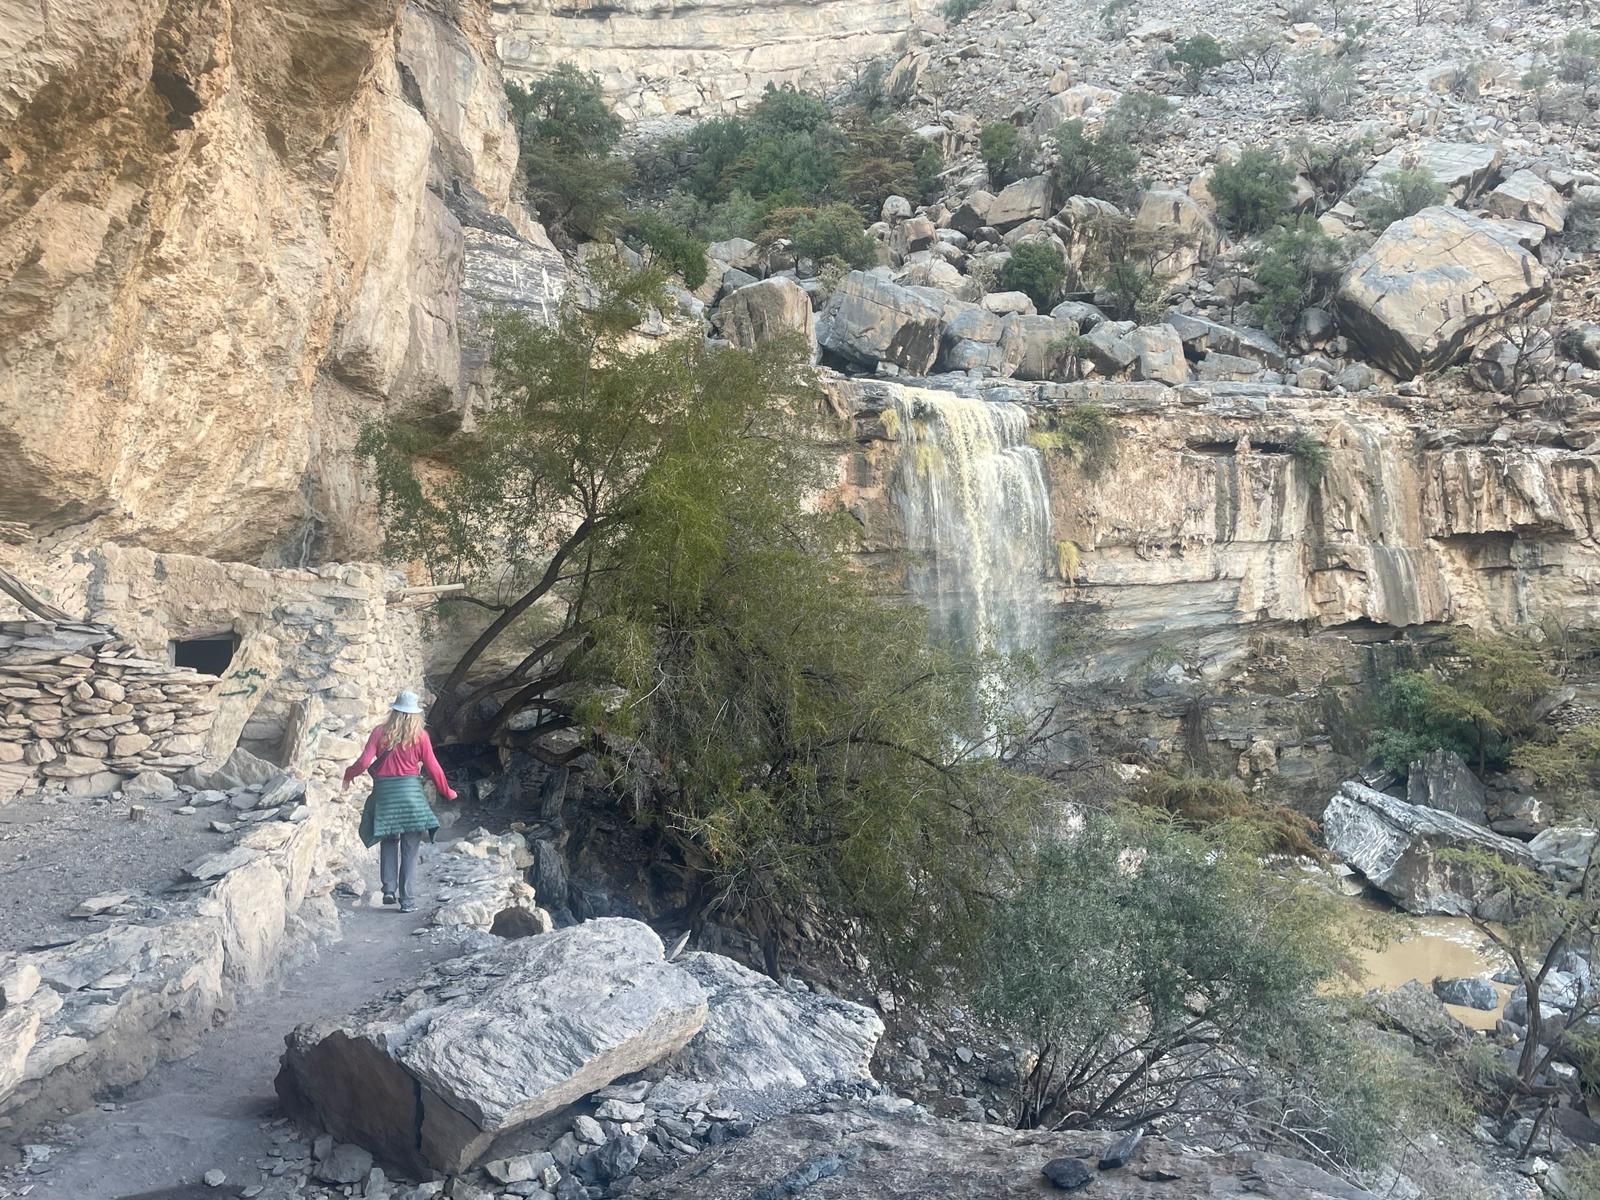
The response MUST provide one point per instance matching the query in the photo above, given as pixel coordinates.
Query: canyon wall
(1211, 574)
(229, 233)
(700, 57)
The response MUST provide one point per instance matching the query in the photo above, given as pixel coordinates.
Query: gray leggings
(397, 863)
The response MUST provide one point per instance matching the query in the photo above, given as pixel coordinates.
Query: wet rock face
(224, 241)
(488, 1043)
(856, 1155)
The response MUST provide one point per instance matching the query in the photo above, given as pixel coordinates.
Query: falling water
(971, 491)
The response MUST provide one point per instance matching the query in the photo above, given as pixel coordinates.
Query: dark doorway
(208, 655)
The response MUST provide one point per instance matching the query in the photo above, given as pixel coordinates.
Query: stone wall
(319, 655)
(102, 1010)
(667, 57)
(81, 710)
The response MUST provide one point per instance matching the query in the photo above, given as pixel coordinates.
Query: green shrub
(1254, 192)
(1310, 454)
(1260, 53)
(1332, 168)
(1197, 55)
(997, 146)
(1297, 267)
(1401, 194)
(1101, 166)
(1036, 268)
(1325, 86)
(1578, 57)
(831, 231)
(1082, 432)
(1132, 263)
(568, 136)
(1138, 962)
(1202, 802)
(1138, 116)
(956, 11)
(673, 245)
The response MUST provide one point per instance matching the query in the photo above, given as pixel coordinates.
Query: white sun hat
(407, 702)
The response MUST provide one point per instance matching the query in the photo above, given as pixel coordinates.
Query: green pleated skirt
(396, 806)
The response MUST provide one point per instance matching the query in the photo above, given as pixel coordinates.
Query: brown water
(1427, 948)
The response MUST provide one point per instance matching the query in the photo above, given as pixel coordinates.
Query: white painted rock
(490, 1042)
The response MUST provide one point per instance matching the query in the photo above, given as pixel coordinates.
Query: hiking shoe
(388, 898)
(408, 907)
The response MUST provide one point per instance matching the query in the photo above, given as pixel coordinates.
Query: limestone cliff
(230, 232)
(1213, 559)
(661, 57)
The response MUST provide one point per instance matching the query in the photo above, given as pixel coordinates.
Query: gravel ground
(57, 851)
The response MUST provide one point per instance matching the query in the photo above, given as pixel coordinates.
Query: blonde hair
(400, 730)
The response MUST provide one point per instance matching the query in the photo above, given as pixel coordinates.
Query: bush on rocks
(1100, 165)
(998, 147)
(831, 232)
(1297, 267)
(1197, 56)
(1399, 195)
(672, 245)
(1038, 269)
(1325, 85)
(569, 136)
(1139, 116)
(1254, 192)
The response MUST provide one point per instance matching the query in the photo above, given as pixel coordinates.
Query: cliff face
(1212, 563)
(230, 232)
(663, 57)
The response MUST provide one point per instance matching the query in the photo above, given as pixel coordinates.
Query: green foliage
(1100, 165)
(1260, 53)
(1135, 958)
(1197, 55)
(568, 136)
(1325, 85)
(833, 231)
(1578, 57)
(1480, 701)
(956, 11)
(1311, 457)
(1401, 194)
(1203, 802)
(641, 520)
(791, 151)
(672, 244)
(1036, 268)
(1118, 16)
(1332, 168)
(1253, 192)
(1082, 432)
(997, 146)
(1297, 267)
(1131, 263)
(1139, 116)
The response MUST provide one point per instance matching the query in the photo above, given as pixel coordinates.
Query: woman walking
(397, 813)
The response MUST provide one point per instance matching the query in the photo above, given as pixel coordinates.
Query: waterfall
(972, 494)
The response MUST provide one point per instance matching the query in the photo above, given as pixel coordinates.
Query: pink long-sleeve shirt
(402, 761)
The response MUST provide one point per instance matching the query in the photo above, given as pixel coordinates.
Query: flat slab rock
(491, 1041)
(858, 1155)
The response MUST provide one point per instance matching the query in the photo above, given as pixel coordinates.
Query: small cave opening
(209, 655)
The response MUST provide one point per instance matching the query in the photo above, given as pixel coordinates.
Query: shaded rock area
(491, 1042)
(1396, 846)
(863, 1155)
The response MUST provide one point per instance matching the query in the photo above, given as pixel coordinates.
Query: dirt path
(216, 1110)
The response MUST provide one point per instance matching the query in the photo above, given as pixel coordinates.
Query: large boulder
(1433, 286)
(766, 311)
(1082, 101)
(976, 339)
(1179, 213)
(1046, 342)
(1025, 200)
(1439, 779)
(762, 1039)
(1160, 354)
(1207, 336)
(1462, 169)
(1526, 197)
(869, 320)
(1397, 847)
(485, 1044)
